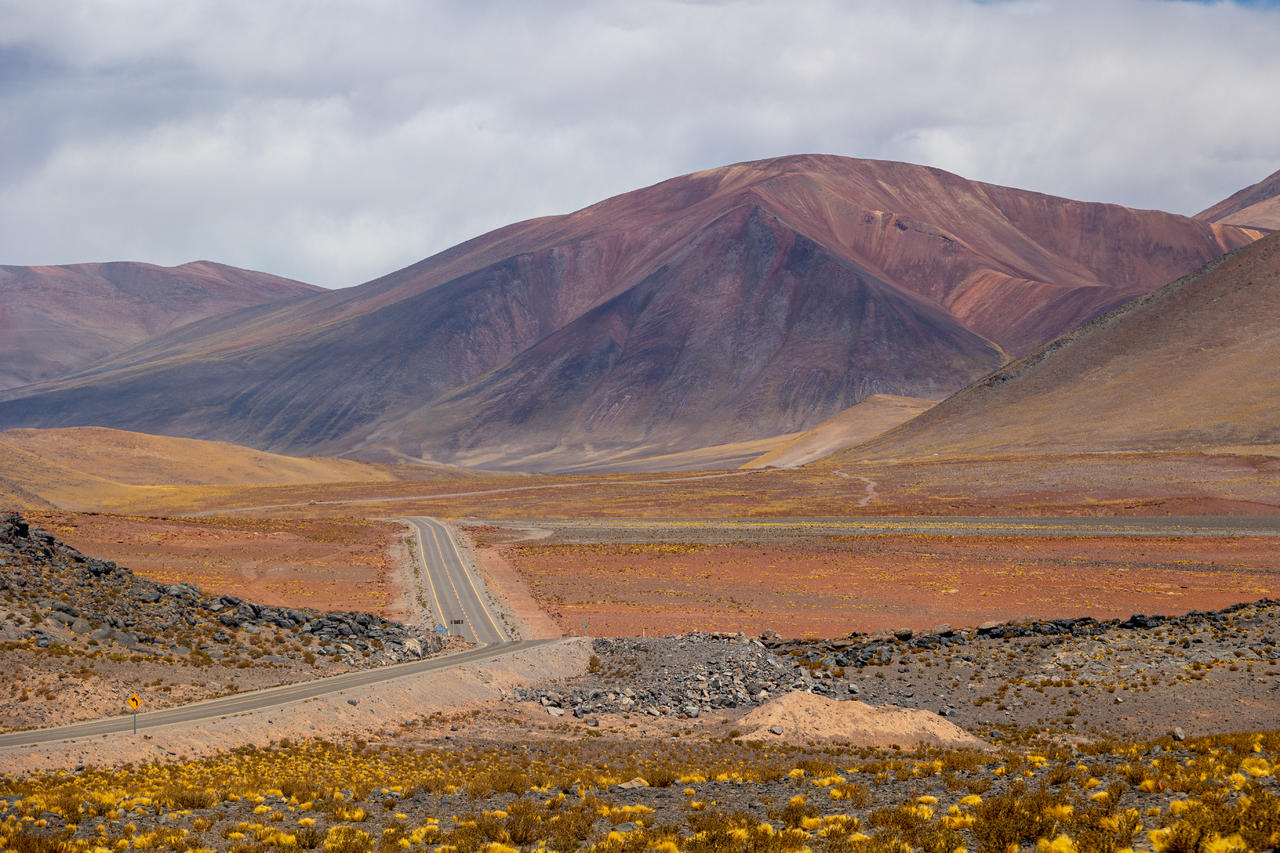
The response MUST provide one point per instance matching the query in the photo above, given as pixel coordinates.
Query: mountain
(57, 320)
(854, 425)
(1190, 367)
(1256, 206)
(719, 307)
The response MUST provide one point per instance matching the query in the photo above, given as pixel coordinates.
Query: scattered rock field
(1201, 672)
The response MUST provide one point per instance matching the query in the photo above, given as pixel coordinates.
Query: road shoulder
(510, 594)
(355, 711)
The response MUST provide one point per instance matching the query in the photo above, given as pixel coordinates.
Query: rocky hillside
(103, 601)
(1220, 669)
(737, 303)
(59, 607)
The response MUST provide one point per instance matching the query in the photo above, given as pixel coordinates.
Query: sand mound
(806, 717)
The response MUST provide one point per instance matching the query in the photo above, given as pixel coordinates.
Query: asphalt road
(455, 594)
(260, 699)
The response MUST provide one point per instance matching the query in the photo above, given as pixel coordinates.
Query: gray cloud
(336, 141)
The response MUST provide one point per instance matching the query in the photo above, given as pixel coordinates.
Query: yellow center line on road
(501, 636)
(448, 574)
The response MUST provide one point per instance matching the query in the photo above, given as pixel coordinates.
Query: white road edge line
(422, 557)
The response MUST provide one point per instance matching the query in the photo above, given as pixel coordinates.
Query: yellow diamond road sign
(134, 701)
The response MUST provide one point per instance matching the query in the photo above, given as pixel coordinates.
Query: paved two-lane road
(261, 699)
(454, 592)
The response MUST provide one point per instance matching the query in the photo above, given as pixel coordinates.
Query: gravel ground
(675, 676)
(1142, 676)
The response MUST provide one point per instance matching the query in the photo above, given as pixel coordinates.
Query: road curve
(454, 591)
(260, 699)
(455, 595)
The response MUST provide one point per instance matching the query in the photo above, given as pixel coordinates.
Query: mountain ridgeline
(737, 303)
(57, 320)
(1191, 367)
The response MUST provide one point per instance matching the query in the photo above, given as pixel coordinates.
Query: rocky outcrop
(79, 596)
(682, 676)
(690, 676)
(885, 647)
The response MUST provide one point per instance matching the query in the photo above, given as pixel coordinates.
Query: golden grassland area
(1215, 794)
(1079, 484)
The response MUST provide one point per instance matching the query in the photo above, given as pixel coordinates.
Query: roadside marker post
(134, 702)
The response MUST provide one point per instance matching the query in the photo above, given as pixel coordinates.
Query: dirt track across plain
(707, 530)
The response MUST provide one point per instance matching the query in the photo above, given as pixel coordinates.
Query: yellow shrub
(1062, 844)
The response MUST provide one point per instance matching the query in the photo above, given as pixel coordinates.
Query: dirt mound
(803, 717)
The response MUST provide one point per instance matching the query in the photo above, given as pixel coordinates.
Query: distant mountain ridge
(727, 305)
(55, 320)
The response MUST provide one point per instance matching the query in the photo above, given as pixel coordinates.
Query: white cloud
(335, 141)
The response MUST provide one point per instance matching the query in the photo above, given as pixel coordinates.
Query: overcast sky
(336, 141)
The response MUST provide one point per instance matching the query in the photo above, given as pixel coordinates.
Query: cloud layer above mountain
(336, 141)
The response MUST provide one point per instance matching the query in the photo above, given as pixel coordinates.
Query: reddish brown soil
(508, 584)
(334, 564)
(830, 588)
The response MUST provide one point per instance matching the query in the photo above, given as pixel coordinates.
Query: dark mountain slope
(751, 323)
